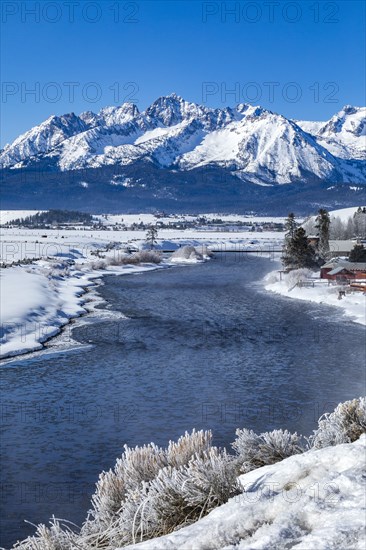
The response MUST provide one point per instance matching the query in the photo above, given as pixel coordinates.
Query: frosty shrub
(125, 498)
(148, 256)
(186, 253)
(180, 496)
(188, 446)
(143, 256)
(256, 450)
(135, 466)
(298, 275)
(140, 464)
(55, 537)
(344, 425)
(99, 264)
(211, 479)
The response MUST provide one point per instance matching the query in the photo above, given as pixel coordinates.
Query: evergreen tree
(298, 252)
(322, 225)
(151, 236)
(358, 254)
(290, 226)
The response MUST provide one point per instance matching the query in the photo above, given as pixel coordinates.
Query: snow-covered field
(353, 304)
(342, 213)
(312, 501)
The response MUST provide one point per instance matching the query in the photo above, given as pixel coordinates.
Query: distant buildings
(343, 270)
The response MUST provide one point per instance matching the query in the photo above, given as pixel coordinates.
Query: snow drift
(186, 254)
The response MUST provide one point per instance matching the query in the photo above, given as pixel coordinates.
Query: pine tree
(322, 225)
(298, 252)
(358, 254)
(290, 226)
(151, 236)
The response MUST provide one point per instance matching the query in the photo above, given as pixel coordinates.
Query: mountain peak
(170, 110)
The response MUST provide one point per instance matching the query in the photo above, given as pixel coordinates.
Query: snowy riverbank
(38, 300)
(353, 304)
(314, 501)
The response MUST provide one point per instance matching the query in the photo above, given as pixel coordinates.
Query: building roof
(338, 270)
(351, 266)
(341, 245)
(355, 266)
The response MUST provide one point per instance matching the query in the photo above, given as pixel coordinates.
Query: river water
(201, 347)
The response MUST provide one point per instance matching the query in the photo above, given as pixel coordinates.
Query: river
(203, 347)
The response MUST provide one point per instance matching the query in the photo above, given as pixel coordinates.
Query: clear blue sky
(141, 50)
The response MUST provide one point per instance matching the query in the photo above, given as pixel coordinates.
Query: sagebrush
(152, 491)
(344, 425)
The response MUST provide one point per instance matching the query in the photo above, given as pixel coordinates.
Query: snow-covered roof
(355, 266)
(337, 270)
(351, 266)
(341, 245)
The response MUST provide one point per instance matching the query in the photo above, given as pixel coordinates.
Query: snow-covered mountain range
(180, 156)
(251, 142)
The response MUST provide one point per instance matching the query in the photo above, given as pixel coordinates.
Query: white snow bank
(34, 305)
(37, 300)
(314, 501)
(186, 254)
(353, 304)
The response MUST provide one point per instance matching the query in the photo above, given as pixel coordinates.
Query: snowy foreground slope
(312, 501)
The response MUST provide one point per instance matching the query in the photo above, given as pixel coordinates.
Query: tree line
(354, 226)
(301, 251)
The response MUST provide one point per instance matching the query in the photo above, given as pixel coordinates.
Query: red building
(342, 270)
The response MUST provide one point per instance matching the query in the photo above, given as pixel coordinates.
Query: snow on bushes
(59, 536)
(153, 491)
(344, 425)
(187, 446)
(298, 276)
(180, 496)
(255, 451)
(143, 256)
(186, 254)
